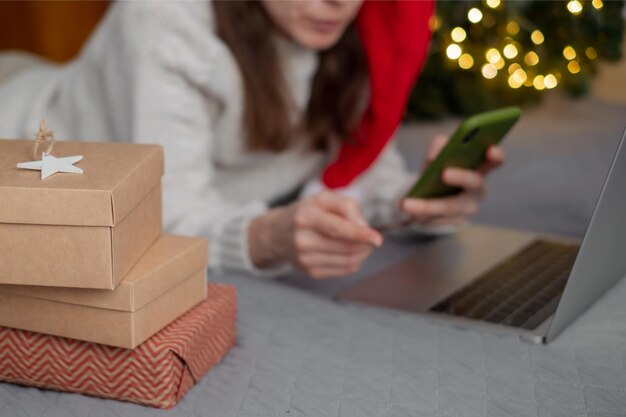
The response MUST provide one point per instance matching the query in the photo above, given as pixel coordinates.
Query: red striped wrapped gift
(158, 373)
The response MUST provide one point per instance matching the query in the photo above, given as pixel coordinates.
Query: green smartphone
(466, 148)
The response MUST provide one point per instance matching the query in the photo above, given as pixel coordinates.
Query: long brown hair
(336, 93)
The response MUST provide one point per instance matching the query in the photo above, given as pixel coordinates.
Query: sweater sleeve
(381, 187)
(161, 66)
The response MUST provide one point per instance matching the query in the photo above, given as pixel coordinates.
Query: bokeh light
(591, 53)
(569, 52)
(513, 82)
(458, 34)
(434, 23)
(453, 51)
(512, 27)
(573, 67)
(538, 82)
(550, 81)
(493, 55)
(520, 75)
(514, 67)
(537, 37)
(489, 71)
(466, 61)
(474, 15)
(510, 51)
(575, 7)
(531, 58)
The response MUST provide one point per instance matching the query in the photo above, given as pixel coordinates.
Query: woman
(250, 100)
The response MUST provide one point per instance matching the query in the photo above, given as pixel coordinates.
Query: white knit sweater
(155, 72)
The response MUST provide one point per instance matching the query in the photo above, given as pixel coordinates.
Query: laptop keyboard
(522, 291)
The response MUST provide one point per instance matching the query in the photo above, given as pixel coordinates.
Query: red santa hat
(395, 35)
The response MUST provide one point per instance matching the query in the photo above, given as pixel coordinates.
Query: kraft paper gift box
(167, 281)
(158, 373)
(78, 230)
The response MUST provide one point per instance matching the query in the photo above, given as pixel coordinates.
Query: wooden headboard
(53, 29)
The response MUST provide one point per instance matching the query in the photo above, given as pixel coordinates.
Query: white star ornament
(49, 165)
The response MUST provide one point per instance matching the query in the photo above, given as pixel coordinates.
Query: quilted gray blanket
(300, 353)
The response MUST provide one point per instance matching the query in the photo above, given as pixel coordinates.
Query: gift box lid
(116, 177)
(168, 262)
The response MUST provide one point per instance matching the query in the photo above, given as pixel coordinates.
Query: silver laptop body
(439, 271)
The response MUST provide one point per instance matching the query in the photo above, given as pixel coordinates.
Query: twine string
(44, 141)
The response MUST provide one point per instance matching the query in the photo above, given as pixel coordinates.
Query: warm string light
(537, 37)
(466, 61)
(434, 23)
(510, 51)
(573, 67)
(529, 79)
(493, 55)
(474, 15)
(514, 67)
(575, 7)
(517, 76)
(531, 58)
(454, 51)
(489, 71)
(458, 34)
(550, 81)
(569, 53)
(512, 27)
(520, 75)
(591, 53)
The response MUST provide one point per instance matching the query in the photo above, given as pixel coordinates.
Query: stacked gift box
(85, 272)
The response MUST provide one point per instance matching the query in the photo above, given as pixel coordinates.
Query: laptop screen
(601, 261)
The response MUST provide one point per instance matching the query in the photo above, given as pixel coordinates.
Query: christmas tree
(493, 53)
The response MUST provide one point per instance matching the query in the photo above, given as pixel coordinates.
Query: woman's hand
(454, 210)
(325, 235)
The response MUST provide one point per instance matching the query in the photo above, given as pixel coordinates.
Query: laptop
(509, 281)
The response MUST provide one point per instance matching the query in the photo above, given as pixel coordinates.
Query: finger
(495, 154)
(348, 263)
(323, 273)
(436, 146)
(448, 221)
(425, 211)
(335, 227)
(342, 205)
(308, 240)
(464, 178)
(495, 158)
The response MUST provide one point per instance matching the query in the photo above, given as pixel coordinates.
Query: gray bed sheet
(299, 353)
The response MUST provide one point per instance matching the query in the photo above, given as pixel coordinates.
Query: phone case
(465, 149)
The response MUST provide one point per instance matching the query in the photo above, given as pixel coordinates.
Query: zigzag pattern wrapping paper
(158, 373)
